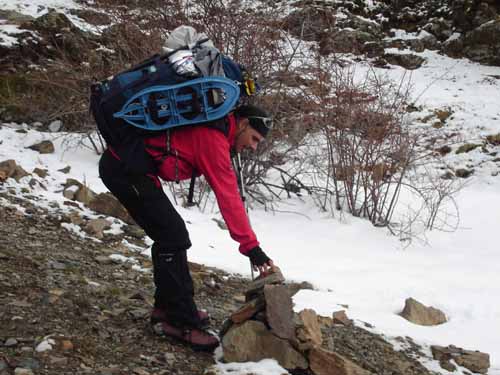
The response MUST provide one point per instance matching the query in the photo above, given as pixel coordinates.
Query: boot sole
(204, 324)
(179, 340)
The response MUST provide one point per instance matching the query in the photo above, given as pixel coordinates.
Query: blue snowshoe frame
(195, 101)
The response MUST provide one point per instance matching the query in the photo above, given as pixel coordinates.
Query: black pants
(152, 210)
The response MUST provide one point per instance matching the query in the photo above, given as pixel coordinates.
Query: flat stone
(251, 341)
(248, 310)
(324, 362)
(420, 314)
(258, 284)
(44, 147)
(279, 311)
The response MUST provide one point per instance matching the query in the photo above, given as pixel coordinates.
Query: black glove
(257, 256)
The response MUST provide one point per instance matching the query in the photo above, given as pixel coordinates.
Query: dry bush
(371, 153)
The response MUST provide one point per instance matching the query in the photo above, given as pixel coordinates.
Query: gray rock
(84, 195)
(103, 259)
(324, 362)
(7, 169)
(463, 173)
(474, 361)
(70, 192)
(340, 317)
(407, 61)
(134, 231)
(294, 288)
(279, 311)
(23, 371)
(19, 173)
(14, 17)
(257, 285)
(345, 41)
(96, 227)
(65, 170)
(42, 173)
(418, 313)
(55, 126)
(10, 342)
(483, 43)
(44, 147)
(251, 341)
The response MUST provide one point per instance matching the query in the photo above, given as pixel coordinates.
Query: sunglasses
(266, 121)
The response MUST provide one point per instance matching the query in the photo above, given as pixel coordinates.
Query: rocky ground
(62, 292)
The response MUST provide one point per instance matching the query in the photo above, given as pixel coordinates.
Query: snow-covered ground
(348, 260)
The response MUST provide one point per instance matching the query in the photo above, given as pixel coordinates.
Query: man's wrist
(257, 256)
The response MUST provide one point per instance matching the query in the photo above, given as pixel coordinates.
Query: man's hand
(261, 262)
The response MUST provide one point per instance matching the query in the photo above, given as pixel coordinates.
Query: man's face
(247, 138)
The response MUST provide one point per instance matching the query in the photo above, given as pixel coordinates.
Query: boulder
(96, 227)
(340, 317)
(134, 231)
(345, 41)
(92, 17)
(468, 147)
(418, 313)
(13, 17)
(408, 61)
(309, 331)
(474, 361)
(84, 195)
(7, 169)
(483, 43)
(454, 46)
(251, 341)
(321, 22)
(42, 173)
(107, 204)
(279, 311)
(441, 28)
(324, 362)
(463, 173)
(494, 139)
(44, 147)
(19, 173)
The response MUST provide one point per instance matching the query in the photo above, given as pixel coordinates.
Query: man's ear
(242, 123)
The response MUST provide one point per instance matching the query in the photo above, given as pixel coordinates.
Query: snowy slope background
(348, 260)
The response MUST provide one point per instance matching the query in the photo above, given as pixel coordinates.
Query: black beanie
(257, 118)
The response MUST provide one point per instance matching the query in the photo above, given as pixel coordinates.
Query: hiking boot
(197, 339)
(159, 315)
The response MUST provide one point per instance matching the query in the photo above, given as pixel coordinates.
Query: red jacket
(207, 151)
